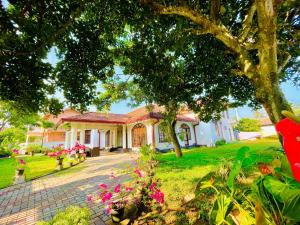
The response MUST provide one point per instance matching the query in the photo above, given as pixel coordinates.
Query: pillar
(81, 139)
(73, 137)
(124, 142)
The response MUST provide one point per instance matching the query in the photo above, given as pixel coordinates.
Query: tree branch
(247, 23)
(208, 26)
(284, 63)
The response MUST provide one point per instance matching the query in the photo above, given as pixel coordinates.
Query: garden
(38, 161)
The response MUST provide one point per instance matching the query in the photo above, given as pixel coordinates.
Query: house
(131, 130)
(267, 127)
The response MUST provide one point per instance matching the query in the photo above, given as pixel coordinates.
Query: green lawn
(35, 166)
(179, 176)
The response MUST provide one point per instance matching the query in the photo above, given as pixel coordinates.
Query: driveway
(42, 198)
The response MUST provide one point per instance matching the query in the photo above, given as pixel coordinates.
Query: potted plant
(59, 152)
(20, 167)
(80, 154)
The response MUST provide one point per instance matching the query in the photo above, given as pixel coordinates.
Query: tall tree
(263, 35)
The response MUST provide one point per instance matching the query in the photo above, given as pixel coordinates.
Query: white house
(137, 128)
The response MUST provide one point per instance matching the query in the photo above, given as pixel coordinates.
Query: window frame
(87, 133)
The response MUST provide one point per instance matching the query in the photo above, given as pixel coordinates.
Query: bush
(248, 125)
(71, 216)
(220, 142)
(147, 153)
(36, 148)
(4, 152)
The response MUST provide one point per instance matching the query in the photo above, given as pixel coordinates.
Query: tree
(11, 115)
(45, 124)
(257, 42)
(253, 41)
(248, 125)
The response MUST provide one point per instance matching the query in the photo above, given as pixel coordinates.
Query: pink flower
(89, 198)
(108, 209)
(138, 172)
(106, 197)
(16, 151)
(117, 188)
(153, 187)
(128, 189)
(102, 186)
(21, 161)
(158, 196)
(112, 176)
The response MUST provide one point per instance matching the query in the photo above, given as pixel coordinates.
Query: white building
(135, 129)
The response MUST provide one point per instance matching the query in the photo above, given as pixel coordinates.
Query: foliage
(180, 176)
(220, 142)
(248, 125)
(12, 115)
(36, 148)
(198, 52)
(280, 198)
(72, 215)
(147, 153)
(10, 138)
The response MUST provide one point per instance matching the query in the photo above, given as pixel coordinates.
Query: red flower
(138, 172)
(264, 169)
(16, 151)
(102, 186)
(21, 161)
(128, 189)
(152, 187)
(158, 196)
(117, 188)
(106, 197)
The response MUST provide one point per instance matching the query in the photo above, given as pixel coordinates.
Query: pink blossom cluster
(79, 148)
(156, 194)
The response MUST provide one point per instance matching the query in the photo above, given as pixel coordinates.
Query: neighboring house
(133, 130)
(52, 137)
(267, 128)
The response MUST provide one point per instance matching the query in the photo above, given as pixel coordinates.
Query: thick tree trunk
(174, 139)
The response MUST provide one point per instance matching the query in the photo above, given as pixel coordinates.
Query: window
(87, 137)
(162, 137)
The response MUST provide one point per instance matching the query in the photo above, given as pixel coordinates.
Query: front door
(139, 135)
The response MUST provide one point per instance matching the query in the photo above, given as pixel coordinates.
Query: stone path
(42, 198)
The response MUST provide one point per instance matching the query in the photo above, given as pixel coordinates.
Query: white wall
(204, 134)
(267, 131)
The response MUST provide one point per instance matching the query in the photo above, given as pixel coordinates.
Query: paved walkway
(42, 198)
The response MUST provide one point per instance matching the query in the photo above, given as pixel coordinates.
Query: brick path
(40, 199)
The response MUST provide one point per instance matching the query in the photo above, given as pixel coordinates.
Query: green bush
(220, 142)
(248, 125)
(147, 153)
(36, 148)
(73, 215)
(5, 152)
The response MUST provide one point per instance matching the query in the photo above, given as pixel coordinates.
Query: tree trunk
(174, 139)
(273, 100)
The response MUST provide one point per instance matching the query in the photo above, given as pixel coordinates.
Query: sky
(291, 92)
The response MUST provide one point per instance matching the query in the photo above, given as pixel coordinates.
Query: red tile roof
(265, 121)
(139, 114)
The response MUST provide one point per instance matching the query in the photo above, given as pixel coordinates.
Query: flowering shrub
(20, 163)
(58, 151)
(116, 195)
(78, 148)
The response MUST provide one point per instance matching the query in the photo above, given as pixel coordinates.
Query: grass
(179, 176)
(36, 166)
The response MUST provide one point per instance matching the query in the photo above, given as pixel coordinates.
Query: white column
(73, 137)
(81, 139)
(115, 137)
(124, 137)
(149, 134)
(94, 138)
